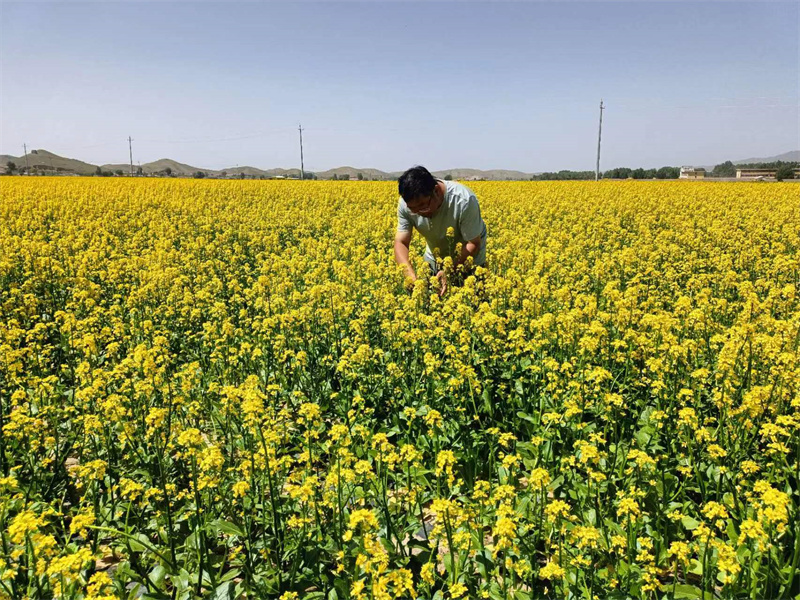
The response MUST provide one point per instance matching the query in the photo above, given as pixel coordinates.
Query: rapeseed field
(224, 389)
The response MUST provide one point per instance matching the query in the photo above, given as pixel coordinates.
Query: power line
(27, 168)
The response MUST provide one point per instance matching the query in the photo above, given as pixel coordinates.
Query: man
(432, 206)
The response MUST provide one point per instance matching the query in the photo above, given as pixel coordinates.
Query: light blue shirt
(459, 210)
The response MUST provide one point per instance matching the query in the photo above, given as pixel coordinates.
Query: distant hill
(490, 175)
(457, 174)
(159, 166)
(42, 160)
(353, 173)
(248, 171)
(792, 156)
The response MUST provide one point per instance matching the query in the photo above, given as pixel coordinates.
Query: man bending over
(432, 207)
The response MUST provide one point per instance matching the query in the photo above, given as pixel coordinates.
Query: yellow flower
(556, 509)
(680, 550)
(445, 461)
(80, 522)
(539, 478)
(551, 571)
(240, 489)
(628, 507)
(428, 573)
(363, 518)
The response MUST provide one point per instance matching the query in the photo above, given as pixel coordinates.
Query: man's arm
(402, 241)
(472, 227)
(471, 248)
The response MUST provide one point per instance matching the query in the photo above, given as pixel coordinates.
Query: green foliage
(785, 171)
(564, 175)
(640, 173)
(668, 173)
(726, 169)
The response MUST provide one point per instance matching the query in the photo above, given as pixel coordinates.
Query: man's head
(420, 191)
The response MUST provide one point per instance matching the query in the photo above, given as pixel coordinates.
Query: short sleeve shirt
(459, 210)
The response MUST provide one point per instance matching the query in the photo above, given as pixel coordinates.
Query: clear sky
(391, 84)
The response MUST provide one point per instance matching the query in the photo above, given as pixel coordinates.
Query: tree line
(617, 173)
(783, 169)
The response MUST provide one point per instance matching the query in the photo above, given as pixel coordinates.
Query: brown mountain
(44, 161)
(160, 166)
(490, 175)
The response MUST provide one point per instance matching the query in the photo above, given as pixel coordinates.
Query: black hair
(416, 182)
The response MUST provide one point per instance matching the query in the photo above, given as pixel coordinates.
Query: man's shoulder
(458, 191)
(404, 213)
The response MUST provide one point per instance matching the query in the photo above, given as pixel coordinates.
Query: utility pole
(302, 171)
(130, 150)
(599, 134)
(27, 169)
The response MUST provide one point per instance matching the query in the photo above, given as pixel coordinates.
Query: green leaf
(695, 567)
(733, 537)
(157, 575)
(232, 574)
(689, 523)
(134, 593)
(526, 416)
(684, 590)
(643, 436)
(223, 591)
(220, 526)
(140, 543)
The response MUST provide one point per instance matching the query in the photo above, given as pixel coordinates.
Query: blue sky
(391, 84)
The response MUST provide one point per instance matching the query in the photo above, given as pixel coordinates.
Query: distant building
(692, 173)
(761, 173)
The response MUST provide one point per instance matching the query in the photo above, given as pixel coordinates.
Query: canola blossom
(224, 389)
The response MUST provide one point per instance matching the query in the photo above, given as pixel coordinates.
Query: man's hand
(410, 279)
(402, 240)
(442, 283)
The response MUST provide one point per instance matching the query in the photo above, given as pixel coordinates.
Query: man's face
(426, 206)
